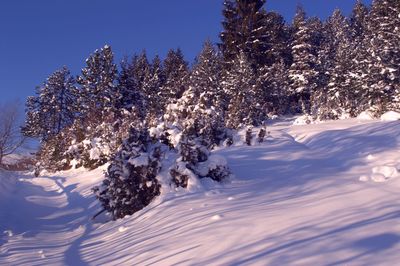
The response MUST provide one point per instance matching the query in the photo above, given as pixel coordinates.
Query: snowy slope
(321, 194)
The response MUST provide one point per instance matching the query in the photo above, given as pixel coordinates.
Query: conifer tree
(152, 85)
(357, 55)
(334, 58)
(206, 76)
(131, 95)
(244, 31)
(276, 37)
(176, 73)
(303, 72)
(53, 108)
(245, 98)
(272, 82)
(383, 69)
(130, 183)
(99, 94)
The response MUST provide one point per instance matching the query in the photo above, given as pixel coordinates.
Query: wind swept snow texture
(296, 199)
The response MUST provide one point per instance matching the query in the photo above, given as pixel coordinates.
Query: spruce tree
(98, 94)
(273, 84)
(334, 58)
(131, 95)
(152, 85)
(383, 70)
(245, 98)
(303, 73)
(176, 73)
(130, 183)
(244, 30)
(53, 108)
(357, 55)
(206, 75)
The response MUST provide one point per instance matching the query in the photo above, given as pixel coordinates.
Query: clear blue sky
(40, 36)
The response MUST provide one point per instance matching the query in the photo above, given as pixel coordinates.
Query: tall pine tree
(303, 72)
(53, 108)
(99, 94)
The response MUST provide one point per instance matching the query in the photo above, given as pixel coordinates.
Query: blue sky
(40, 36)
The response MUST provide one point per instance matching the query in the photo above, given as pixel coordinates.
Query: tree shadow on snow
(285, 163)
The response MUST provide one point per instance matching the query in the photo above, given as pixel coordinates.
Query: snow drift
(296, 199)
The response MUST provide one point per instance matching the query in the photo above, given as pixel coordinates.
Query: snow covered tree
(383, 72)
(206, 77)
(244, 31)
(303, 72)
(152, 89)
(131, 94)
(357, 55)
(276, 40)
(53, 108)
(331, 100)
(359, 21)
(196, 162)
(193, 115)
(273, 82)
(246, 99)
(176, 74)
(131, 179)
(98, 94)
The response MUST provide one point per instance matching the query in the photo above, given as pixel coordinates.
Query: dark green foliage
(130, 183)
(303, 73)
(261, 135)
(196, 162)
(53, 108)
(244, 31)
(176, 77)
(98, 93)
(249, 136)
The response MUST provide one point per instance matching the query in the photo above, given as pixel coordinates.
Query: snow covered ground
(319, 194)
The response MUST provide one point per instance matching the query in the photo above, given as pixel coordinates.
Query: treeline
(262, 67)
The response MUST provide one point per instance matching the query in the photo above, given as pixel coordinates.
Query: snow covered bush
(249, 136)
(130, 181)
(192, 114)
(195, 162)
(261, 135)
(51, 155)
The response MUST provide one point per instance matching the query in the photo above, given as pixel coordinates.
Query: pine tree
(332, 101)
(357, 55)
(152, 85)
(383, 71)
(130, 183)
(131, 95)
(53, 108)
(176, 73)
(273, 82)
(99, 94)
(196, 162)
(206, 76)
(245, 98)
(245, 30)
(276, 39)
(303, 72)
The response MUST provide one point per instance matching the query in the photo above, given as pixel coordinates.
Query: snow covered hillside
(320, 194)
